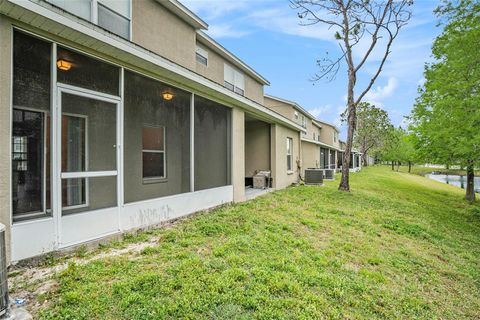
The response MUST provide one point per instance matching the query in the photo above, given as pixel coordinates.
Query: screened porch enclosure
(97, 149)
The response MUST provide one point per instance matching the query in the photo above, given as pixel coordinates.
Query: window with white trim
(233, 80)
(201, 55)
(335, 136)
(289, 154)
(112, 15)
(296, 115)
(153, 152)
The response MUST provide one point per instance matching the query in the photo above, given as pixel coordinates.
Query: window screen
(153, 152)
(323, 158)
(88, 73)
(30, 127)
(233, 80)
(332, 159)
(113, 22)
(201, 55)
(212, 144)
(157, 139)
(80, 8)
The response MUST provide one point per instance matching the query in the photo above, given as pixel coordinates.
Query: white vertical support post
(56, 138)
(192, 142)
(120, 152)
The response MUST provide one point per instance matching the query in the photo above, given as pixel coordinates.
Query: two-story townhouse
(122, 114)
(320, 144)
(310, 138)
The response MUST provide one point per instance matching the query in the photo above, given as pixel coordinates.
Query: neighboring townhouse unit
(320, 144)
(355, 157)
(122, 114)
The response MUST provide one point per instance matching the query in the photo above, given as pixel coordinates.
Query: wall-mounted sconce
(167, 95)
(64, 65)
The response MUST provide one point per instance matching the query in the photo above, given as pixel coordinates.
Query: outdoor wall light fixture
(64, 65)
(167, 95)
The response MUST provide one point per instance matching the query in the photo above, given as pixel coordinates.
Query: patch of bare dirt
(32, 283)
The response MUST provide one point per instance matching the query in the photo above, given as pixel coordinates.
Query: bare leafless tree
(373, 23)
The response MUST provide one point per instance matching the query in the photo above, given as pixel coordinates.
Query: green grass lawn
(398, 246)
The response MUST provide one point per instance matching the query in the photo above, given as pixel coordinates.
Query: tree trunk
(352, 118)
(393, 165)
(398, 165)
(409, 166)
(364, 160)
(470, 195)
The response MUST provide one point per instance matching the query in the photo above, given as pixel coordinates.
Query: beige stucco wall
(281, 177)
(214, 69)
(310, 156)
(313, 131)
(257, 147)
(238, 154)
(326, 135)
(288, 111)
(215, 72)
(253, 90)
(5, 61)
(157, 29)
(284, 109)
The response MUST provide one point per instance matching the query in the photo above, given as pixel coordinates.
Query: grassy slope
(398, 246)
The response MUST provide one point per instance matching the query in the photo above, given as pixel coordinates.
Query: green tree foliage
(398, 147)
(373, 124)
(446, 117)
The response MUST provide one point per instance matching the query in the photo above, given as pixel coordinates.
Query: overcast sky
(267, 36)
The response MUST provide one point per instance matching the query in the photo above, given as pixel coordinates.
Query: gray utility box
(3, 273)
(261, 180)
(314, 176)
(329, 174)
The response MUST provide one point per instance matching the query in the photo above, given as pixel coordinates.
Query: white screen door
(88, 155)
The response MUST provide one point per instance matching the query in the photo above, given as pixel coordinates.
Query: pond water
(454, 180)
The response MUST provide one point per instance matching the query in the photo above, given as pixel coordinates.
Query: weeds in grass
(398, 246)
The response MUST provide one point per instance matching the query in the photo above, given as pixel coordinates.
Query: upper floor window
(234, 80)
(201, 56)
(335, 136)
(112, 15)
(296, 115)
(304, 121)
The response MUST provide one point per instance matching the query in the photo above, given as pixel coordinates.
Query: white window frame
(164, 151)
(200, 52)
(87, 202)
(289, 153)
(238, 85)
(94, 14)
